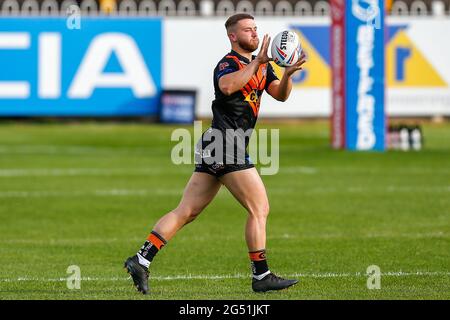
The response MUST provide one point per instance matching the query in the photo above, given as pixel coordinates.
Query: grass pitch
(88, 194)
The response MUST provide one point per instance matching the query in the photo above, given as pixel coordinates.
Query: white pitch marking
(299, 169)
(57, 172)
(239, 276)
(170, 191)
(99, 193)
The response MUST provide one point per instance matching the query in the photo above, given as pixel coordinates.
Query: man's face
(245, 35)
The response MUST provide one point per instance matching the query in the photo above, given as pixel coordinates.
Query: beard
(248, 45)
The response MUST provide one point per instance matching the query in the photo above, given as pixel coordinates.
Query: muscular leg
(199, 192)
(248, 188)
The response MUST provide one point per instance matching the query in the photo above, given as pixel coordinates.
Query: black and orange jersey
(240, 109)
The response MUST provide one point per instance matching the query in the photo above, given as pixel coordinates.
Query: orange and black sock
(150, 248)
(259, 264)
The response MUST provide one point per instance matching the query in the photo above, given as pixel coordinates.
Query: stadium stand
(207, 7)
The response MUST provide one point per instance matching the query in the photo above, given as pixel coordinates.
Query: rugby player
(240, 78)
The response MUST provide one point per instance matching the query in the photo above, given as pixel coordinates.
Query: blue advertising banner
(103, 67)
(364, 72)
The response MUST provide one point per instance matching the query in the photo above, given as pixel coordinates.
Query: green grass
(88, 194)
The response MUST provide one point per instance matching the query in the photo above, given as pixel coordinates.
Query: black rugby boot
(271, 282)
(138, 273)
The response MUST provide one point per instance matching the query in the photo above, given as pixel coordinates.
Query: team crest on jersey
(252, 96)
(223, 65)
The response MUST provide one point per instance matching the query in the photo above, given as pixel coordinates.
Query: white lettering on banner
(14, 40)
(90, 75)
(49, 73)
(366, 103)
(14, 89)
(338, 83)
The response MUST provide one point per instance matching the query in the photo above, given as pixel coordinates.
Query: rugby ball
(286, 48)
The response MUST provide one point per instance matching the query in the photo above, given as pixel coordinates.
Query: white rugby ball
(286, 48)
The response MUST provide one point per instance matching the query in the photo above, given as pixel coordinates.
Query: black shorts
(218, 170)
(227, 162)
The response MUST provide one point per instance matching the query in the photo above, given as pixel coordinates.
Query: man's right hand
(262, 56)
(232, 82)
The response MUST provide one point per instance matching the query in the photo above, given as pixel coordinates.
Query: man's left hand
(289, 71)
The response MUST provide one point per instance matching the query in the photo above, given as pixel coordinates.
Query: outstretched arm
(281, 89)
(234, 81)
